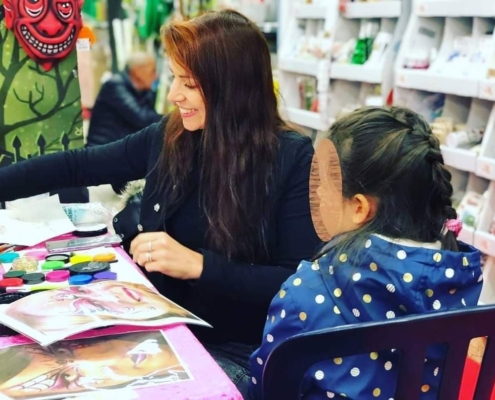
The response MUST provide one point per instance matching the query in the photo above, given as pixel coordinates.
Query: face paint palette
(32, 270)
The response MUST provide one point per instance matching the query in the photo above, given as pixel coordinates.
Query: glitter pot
(28, 264)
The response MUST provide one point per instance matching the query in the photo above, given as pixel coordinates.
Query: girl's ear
(364, 209)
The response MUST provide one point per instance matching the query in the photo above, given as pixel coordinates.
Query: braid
(441, 198)
(442, 191)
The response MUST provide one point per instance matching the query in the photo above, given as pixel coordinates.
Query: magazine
(104, 367)
(53, 315)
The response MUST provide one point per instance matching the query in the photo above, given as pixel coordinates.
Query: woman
(225, 214)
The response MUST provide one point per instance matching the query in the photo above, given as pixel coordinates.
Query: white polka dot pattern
(319, 375)
(355, 372)
(319, 299)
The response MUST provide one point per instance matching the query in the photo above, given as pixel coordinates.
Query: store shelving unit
(435, 27)
(341, 23)
(304, 20)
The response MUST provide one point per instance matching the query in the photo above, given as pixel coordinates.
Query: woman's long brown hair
(229, 58)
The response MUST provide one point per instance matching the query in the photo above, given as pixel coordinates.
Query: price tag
(421, 8)
(488, 90)
(485, 169)
(83, 45)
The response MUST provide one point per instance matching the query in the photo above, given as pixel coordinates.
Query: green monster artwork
(40, 107)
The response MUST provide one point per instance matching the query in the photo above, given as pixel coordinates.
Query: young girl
(394, 253)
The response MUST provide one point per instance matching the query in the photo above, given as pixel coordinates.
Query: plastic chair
(290, 360)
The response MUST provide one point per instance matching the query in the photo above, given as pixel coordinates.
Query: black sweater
(231, 295)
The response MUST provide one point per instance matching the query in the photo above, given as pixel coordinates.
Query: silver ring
(150, 249)
(148, 257)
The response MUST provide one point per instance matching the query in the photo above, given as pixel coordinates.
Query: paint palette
(34, 270)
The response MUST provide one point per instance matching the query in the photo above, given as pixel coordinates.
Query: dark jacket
(120, 110)
(233, 296)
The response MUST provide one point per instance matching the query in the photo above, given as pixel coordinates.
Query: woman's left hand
(158, 252)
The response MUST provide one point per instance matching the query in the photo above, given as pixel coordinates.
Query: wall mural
(40, 101)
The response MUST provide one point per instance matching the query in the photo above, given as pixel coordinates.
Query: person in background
(394, 253)
(125, 104)
(224, 218)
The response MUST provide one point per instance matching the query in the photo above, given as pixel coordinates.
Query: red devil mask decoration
(46, 29)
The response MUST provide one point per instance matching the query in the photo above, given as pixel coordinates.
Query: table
(208, 381)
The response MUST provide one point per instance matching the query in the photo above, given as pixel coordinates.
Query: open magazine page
(53, 315)
(103, 367)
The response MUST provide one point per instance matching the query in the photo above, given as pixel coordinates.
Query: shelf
(358, 73)
(309, 11)
(462, 159)
(485, 167)
(484, 242)
(306, 118)
(377, 9)
(425, 80)
(487, 89)
(467, 235)
(455, 8)
(298, 66)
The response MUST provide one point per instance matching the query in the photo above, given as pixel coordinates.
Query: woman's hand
(158, 252)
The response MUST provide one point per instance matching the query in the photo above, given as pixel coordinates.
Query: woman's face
(103, 364)
(186, 94)
(106, 298)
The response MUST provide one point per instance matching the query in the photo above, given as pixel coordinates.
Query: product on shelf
(464, 137)
(364, 44)
(470, 208)
(423, 49)
(308, 96)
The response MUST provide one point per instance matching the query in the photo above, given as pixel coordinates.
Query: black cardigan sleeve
(124, 160)
(296, 241)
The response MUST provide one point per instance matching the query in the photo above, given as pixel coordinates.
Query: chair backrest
(291, 359)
